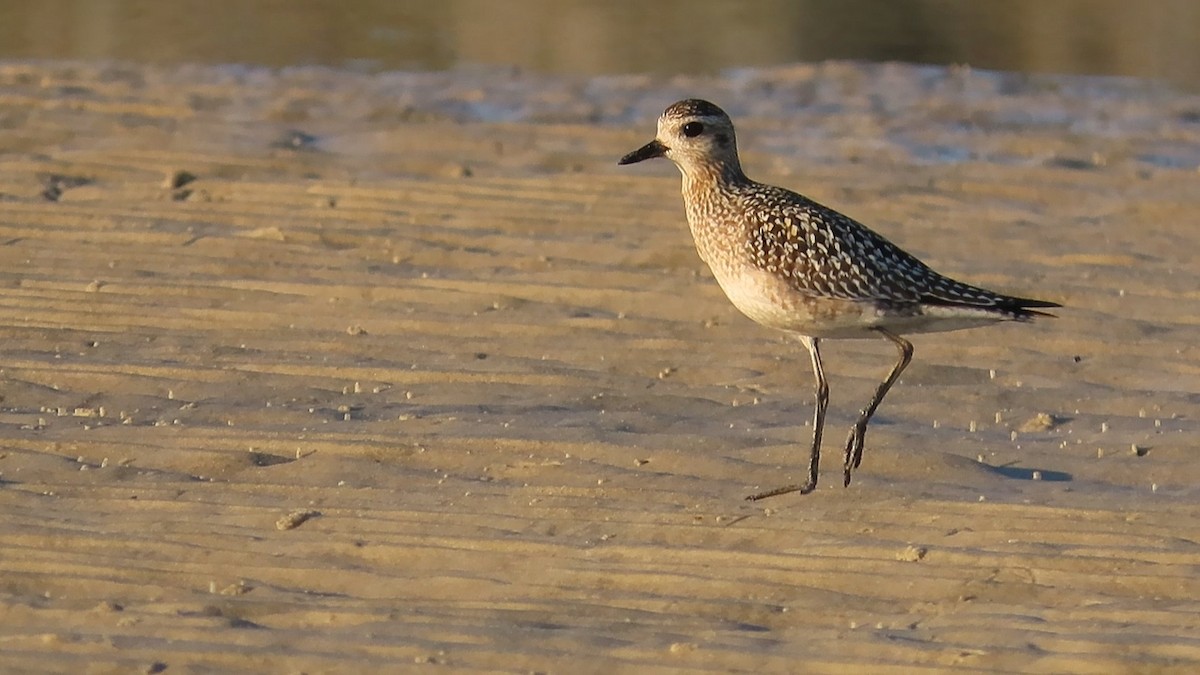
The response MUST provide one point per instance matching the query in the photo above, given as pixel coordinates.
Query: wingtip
(1030, 308)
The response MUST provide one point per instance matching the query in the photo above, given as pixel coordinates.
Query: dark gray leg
(854, 444)
(814, 456)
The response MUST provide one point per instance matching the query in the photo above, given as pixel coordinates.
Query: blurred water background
(1151, 38)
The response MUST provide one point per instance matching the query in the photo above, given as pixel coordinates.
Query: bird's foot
(803, 488)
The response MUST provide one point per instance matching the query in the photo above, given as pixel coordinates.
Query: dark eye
(693, 129)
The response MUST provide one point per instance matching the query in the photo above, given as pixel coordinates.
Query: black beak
(648, 151)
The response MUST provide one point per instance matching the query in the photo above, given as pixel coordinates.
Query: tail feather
(1020, 308)
(1023, 307)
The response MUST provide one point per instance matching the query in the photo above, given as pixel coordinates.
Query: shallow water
(586, 37)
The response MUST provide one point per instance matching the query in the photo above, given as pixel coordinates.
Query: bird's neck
(710, 195)
(715, 177)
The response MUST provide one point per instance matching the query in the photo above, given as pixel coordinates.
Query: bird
(792, 264)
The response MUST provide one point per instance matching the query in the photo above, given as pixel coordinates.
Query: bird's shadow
(1025, 473)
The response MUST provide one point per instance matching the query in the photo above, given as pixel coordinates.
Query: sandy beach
(316, 371)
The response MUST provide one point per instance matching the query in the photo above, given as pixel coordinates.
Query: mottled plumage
(790, 263)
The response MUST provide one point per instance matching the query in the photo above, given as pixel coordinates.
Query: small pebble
(295, 519)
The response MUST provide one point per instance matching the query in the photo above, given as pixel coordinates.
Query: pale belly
(772, 302)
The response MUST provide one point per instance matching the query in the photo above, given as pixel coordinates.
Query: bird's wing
(826, 254)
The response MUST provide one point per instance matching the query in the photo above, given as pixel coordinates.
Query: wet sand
(312, 371)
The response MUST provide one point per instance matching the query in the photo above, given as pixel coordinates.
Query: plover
(792, 264)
